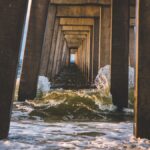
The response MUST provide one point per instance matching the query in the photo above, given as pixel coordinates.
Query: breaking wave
(83, 105)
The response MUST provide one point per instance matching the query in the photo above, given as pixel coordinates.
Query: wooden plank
(78, 11)
(75, 32)
(76, 21)
(75, 36)
(73, 42)
(75, 28)
(81, 2)
(87, 2)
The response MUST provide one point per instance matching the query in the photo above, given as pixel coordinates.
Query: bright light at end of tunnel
(72, 58)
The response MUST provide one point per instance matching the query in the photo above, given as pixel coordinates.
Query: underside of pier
(95, 33)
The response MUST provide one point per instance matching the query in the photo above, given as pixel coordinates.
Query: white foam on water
(131, 77)
(103, 78)
(37, 135)
(43, 85)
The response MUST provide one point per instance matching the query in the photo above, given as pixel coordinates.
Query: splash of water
(83, 105)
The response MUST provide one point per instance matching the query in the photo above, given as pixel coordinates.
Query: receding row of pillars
(47, 52)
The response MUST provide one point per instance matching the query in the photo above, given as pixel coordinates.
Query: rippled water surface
(38, 135)
(77, 135)
(78, 121)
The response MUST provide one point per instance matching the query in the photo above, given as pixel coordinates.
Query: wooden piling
(54, 67)
(12, 16)
(96, 47)
(32, 57)
(120, 52)
(105, 30)
(142, 94)
(53, 47)
(46, 49)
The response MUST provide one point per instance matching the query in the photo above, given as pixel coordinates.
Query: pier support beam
(76, 21)
(68, 57)
(31, 63)
(91, 54)
(105, 21)
(54, 66)
(78, 11)
(60, 54)
(96, 47)
(132, 47)
(88, 57)
(142, 103)
(52, 50)
(120, 52)
(84, 57)
(63, 57)
(81, 2)
(46, 50)
(12, 15)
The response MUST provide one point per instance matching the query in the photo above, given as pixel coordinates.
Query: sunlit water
(39, 125)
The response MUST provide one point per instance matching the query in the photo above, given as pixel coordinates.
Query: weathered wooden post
(82, 60)
(54, 69)
(59, 60)
(31, 63)
(142, 94)
(88, 57)
(52, 49)
(12, 16)
(96, 47)
(132, 47)
(105, 29)
(63, 57)
(69, 55)
(67, 58)
(48, 38)
(91, 53)
(132, 50)
(84, 56)
(120, 52)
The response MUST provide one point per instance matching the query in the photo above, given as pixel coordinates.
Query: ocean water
(72, 120)
(38, 135)
(34, 133)
(42, 125)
